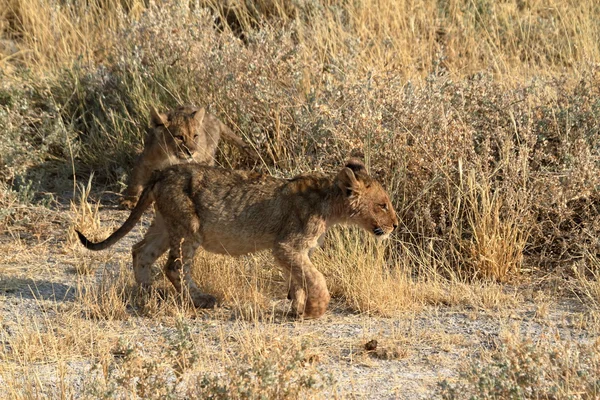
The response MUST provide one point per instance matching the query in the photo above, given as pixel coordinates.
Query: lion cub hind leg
(147, 251)
(179, 271)
(308, 289)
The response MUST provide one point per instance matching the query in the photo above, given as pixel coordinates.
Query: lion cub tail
(146, 199)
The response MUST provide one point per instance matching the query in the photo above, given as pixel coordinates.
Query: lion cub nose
(395, 226)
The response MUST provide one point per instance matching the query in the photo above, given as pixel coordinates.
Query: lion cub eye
(179, 137)
(384, 207)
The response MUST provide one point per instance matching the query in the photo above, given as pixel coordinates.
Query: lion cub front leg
(139, 176)
(308, 289)
(147, 251)
(178, 270)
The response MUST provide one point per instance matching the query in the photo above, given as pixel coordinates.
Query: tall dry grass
(51, 34)
(512, 39)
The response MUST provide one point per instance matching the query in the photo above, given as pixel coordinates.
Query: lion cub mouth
(184, 158)
(378, 231)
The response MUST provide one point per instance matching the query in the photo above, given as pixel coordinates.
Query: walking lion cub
(238, 212)
(184, 134)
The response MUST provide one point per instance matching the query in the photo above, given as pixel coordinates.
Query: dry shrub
(127, 371)
(547, 368)
(262, 364)
(500, 135)
(273, 369)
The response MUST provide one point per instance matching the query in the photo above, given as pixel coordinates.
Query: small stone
(371, 345)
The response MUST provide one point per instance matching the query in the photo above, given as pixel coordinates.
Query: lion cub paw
(128, 203)
(204, 301)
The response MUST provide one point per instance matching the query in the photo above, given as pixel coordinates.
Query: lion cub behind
(184, 134)
(238, 212)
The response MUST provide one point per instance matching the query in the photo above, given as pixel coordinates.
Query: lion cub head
(368, 204)
(179, 130)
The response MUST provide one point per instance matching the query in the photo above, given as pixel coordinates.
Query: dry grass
(495, 249)
(364, 274)
(245, 285)
(53, 339)
(109, 298)
(84, 215)
(67, 355)
(588, 281)
(50, 33)
(484, 168)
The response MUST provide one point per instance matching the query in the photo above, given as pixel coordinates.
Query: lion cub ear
(158, 119)
(347, 178)
(199, 115)
(356, 165)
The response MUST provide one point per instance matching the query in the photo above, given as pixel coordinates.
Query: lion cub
(184, 134)
(237, 212)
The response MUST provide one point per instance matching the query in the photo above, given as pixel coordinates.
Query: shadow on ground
(28, 288)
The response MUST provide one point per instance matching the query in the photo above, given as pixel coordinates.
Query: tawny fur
(237, 212)
(184, 134)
